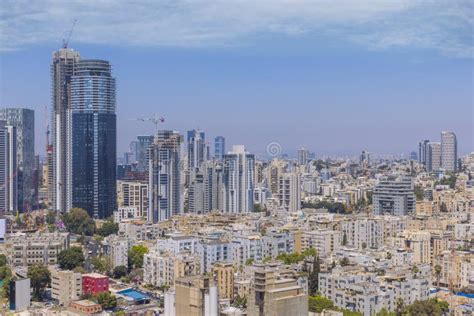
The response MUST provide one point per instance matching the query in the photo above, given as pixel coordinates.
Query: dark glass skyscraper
(93, 139)
(219, 147)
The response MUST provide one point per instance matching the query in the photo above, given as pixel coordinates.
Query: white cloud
(445, 26)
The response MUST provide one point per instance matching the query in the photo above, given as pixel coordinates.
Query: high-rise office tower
(92, 139)
(164, 177)
(24, 122)
(423, 152)
(289, 191)
(219, 147)
(8, 168)
(303, 156)
(62, 69)
(449, 151)
(364, 159)
(197, 149)
(433, 156)
(238, 180)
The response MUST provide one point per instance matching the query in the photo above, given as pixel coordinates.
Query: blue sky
(333, 76)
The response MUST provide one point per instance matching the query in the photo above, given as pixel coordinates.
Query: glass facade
(93, 139)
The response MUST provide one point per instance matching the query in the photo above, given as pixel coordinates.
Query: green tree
(108, 228)
(135, 256)
(249, 261)
(313, 278)
(3, 260)
(399, 305)
(430, 307)
(106, 300)
(71, 258)
(344, 239)
(384, 312)
(51, 217)
(317, 304)
(419, 194)
(119, 271)
(240, 301)
(437, 269)
(102, 264)
(78, 221)
(40, 277)
(345, 261)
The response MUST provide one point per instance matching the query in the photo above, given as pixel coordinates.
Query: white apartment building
(213, 250)
(133, 194)
(116, 247)
(163, 268)
(177, 243)
(289, 191)
(363, 233)
(324, 241)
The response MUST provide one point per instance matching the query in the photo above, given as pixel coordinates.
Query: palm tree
(437, 269)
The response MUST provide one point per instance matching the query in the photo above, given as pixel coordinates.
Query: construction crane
(156, 120)
(66, 40)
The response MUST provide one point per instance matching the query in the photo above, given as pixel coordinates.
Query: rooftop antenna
(66, 40)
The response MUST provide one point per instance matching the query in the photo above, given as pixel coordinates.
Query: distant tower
(8, 168)
(92, 137)
(23, 120)
(449, 151)
(423, 152)
(219, 147)
(433, 156)
(197, 151)
(238, 180)
(62, 69)
(303, 156)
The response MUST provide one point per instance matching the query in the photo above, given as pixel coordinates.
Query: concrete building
(224, 278)
(449, 151)
(94, 283)
(219, 147)
(275, 295)
(324, 241)
(62, 69)
(66, 286)
(116, 248)
(194, 296)
(163, 268)
(25, 249)
(303, 156)
(289, 191)
(394, 196)
(133, 194)
(363, 233)
(20, 294)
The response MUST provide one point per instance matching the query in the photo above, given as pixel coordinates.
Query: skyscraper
(197, 149)
(164, 176)
(449, 151)
(433, 156)
(62, 69)
(92, 137)
(238, 180)
(8, 168)
(24, 122)
(303, 156)
(394, 196)
(219, 147)
(423, 152)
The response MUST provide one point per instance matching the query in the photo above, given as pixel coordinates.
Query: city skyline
(279, 86)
